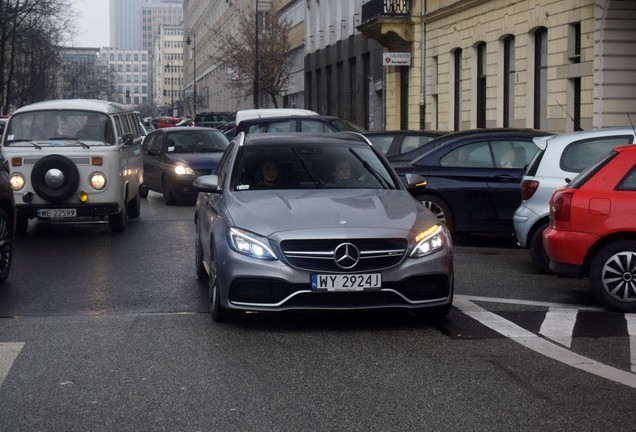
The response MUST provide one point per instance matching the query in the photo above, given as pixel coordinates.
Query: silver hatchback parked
(316, 221)
(559, 159)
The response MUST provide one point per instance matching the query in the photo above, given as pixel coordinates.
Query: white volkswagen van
(74, 158)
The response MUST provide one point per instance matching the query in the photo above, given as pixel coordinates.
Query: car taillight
(560, 206)
(528, 188)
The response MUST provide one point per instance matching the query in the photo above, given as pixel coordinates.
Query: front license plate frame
(57, 213)
(346, 282)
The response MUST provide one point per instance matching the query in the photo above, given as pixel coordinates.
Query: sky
(93, 25)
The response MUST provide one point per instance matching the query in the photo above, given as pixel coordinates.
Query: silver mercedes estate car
(320, 222)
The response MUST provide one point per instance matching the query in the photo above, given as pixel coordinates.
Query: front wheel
(198, 259)
(613, 276)
(143, 191)
(119, 221)
(6, 245)
(133, 207)
(440, 209)
(219, 313)
(168, 195)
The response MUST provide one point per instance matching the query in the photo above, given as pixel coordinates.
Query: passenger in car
(342, 170)
(268, 175)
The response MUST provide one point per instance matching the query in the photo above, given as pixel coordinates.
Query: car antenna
(566, 113)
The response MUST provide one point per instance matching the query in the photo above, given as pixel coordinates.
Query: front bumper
(83, 210)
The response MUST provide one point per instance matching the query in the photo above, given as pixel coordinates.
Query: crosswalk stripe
(559, 324)
(542, 346)
(8, 353)
(631, 331)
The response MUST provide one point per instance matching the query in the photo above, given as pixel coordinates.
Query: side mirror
(128, 139)
(207, 183)
(414, 181)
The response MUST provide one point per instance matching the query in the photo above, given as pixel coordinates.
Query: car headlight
(17, 182)
(98, 180)
(182, 169)
(250, 244)
(429, 241)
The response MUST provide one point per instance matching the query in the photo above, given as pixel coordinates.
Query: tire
(440, 209)
(6, 245)
(218, 312)
(613, 276)
(119, 221)
(537, 250)
(143, 191)
(133, 207)
(168, 196)
(198, 260)
(47, 187)
(21, 225)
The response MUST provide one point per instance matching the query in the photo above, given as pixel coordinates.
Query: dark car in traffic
(401, 141)
(173, 157)
(472, 182)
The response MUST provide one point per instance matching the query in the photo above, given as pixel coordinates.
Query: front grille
(318, 255)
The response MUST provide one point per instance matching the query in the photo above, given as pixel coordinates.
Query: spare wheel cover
(55, 178)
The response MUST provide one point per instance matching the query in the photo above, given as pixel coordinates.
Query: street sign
(397, 59)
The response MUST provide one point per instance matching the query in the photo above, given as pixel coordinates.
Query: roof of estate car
(76, 104)
(301, 138)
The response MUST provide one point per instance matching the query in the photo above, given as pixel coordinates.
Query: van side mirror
(128, 139)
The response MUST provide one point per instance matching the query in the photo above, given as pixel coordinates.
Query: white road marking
(559, 324)
(8, 353)
(540, 345)
(631, 330)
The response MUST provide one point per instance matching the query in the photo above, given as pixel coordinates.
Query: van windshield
(59, 128)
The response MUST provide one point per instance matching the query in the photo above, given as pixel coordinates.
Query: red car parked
(168, 122)
(592, 229)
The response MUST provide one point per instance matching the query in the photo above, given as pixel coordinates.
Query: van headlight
(429, 241)
(17, 182)
(98, 181)
(250, 244)
(183, 169)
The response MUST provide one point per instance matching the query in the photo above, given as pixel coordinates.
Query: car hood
(198, 160)
(268, 212)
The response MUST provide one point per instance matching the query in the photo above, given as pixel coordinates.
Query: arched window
(541, 78)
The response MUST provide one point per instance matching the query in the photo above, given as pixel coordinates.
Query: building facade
(169, 70)
(85, 75)
(131, 73)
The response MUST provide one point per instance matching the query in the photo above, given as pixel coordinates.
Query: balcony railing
(374, 9)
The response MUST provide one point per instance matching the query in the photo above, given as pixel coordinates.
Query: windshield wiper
(372, 170)
(37, 146)
(70, 139)
(313, 176)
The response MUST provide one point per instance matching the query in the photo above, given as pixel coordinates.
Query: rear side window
(475, 155)
(579, 155)
(629, 182)
(589, 172)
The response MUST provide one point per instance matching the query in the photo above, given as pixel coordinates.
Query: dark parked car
(592, 230)
(304, 123)
(472, 183)
(398, 142)
(174, 157)
(7, 220)
(284, 226)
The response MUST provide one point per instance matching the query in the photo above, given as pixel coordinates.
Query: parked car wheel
(168, 196)
(613, 276)
(219, 313)
(439, 209)
(198, 260)
(6, 245)
(537, 250)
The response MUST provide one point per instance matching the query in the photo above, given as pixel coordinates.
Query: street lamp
(194, 75)
(168, 69)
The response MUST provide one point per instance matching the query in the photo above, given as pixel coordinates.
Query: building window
(540, 78)
(457, 86)
(481, 85)
(509, 81)
(575, 57)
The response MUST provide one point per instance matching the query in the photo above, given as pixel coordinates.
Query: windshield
(197, 141)
(59, 128)
(305, 166)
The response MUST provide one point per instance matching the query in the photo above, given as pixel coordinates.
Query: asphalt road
(102, 332)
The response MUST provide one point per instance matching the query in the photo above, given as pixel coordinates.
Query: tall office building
(134, 24)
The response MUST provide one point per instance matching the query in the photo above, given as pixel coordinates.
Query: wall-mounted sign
(397, 59)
